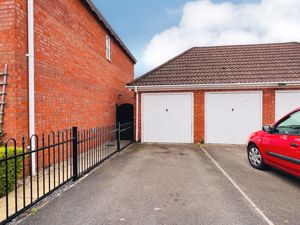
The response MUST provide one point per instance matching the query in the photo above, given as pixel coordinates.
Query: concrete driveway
(175, 184)
(275, 193)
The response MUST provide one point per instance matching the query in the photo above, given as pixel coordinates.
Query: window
(290, 125)
(108, 48)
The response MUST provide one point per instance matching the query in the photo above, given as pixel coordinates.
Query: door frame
(167, 93)
(230, 92)
(282, 91)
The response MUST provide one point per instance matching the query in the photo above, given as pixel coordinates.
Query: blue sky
(138, 22)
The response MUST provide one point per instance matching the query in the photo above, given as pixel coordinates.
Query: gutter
(214, 86)
(30, 56)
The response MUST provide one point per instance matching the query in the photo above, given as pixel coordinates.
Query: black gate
(125, 116)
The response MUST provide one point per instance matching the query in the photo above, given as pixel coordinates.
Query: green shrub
(11, 169)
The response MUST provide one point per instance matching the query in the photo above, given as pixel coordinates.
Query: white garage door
(167, 117)
(286, 101)
(230, 117)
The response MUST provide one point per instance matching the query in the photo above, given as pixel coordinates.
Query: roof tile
(227, 65)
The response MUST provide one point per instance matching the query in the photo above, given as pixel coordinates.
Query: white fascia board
(214, 86)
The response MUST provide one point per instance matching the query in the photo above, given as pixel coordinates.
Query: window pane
(108, 47)
(290, 126)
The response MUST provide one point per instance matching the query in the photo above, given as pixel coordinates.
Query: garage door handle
(295, 145)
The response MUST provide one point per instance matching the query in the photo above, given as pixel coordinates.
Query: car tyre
(255, 158)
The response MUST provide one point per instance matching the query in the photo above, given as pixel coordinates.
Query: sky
(157, 30)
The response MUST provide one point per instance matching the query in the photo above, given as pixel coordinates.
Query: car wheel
(255, 158)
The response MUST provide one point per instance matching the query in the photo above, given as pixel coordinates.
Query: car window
(291, 125)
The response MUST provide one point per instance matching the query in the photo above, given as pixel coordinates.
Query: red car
(277, 145)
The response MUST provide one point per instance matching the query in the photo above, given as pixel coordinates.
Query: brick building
(81, 66)
(217, 94)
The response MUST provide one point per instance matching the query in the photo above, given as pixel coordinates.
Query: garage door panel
(167, 118)
(231, 117)
(155, 121)
(285, 102)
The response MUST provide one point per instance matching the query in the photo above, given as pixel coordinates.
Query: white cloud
(205, 23)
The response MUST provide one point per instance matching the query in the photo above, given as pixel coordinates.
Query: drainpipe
(30, 8)
(137, 116)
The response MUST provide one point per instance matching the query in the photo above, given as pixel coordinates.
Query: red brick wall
(13, 49)
(74, 83)
(198, 116)
(139, 117)
(268, 106)
(7, 52)
(268, 110)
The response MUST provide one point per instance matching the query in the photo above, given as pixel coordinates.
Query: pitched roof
(230, 64)
(106, 25)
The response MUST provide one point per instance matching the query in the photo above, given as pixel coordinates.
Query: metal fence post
(118, 136)
(75, 155)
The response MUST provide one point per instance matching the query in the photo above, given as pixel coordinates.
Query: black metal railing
(27, 175)
(126, 134)
(94, 146)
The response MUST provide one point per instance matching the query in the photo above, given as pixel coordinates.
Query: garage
(235, 90)
(286, 101)
(231, 116)
(167, 117)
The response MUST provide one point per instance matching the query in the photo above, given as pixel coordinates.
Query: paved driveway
(174, 184)
(275, 193)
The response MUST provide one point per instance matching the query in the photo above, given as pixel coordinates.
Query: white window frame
(108, 48)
